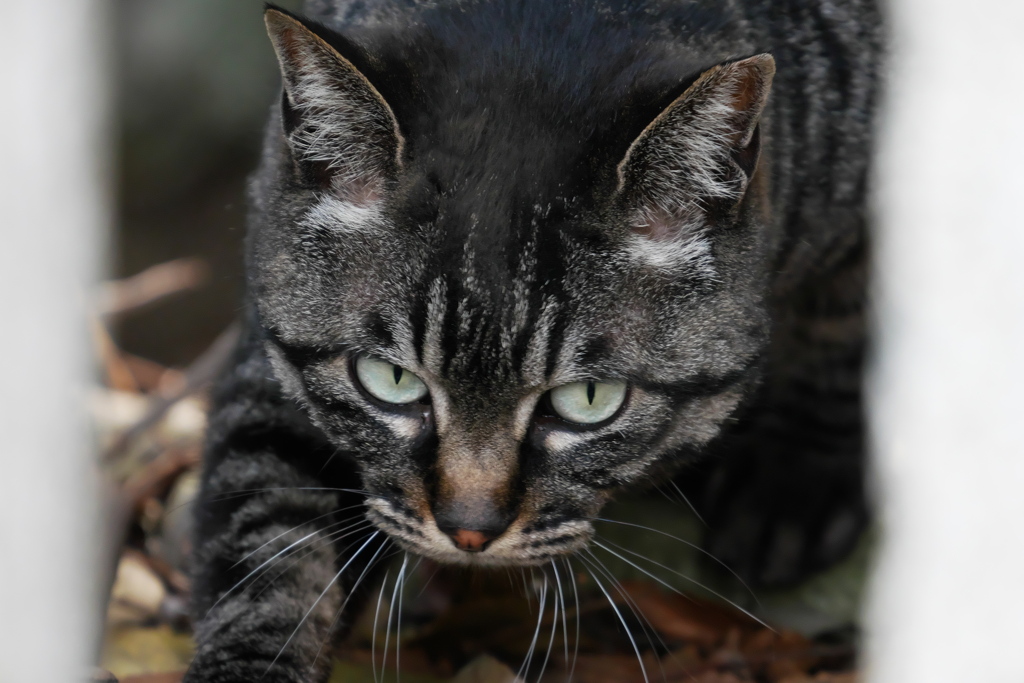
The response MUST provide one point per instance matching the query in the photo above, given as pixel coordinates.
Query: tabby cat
(508, 257)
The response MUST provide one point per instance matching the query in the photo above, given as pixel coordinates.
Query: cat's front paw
(777, 520)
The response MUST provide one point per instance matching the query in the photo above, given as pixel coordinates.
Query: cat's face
(498, 364)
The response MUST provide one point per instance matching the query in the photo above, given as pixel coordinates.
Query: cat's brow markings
(534, 364)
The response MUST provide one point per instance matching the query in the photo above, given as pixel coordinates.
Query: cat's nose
(471, 528)
(470, 540)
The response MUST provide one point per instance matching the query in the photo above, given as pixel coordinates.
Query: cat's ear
(336, 122)
(702, 150)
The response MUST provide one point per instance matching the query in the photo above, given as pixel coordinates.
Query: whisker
(294, 560)
(419, 561)
(687, 543)
(391, 611)
(239, 493)
(551, 638)
(576, 596)
(642, 620)
(337, 535)
(311, 488)
(430, 578)
(217, 498)
(351, 591)
(228, 495)
(677, 573)
(525, 666)
(686, 500)
(373, 639)
(265, 563)
(398, 622)
(622, 620)
(561, 600)
(333, 455)
(317, 601)
(315, 519)
(526, 587)
(663, 492)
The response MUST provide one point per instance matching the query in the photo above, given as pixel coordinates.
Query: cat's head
(502, 316)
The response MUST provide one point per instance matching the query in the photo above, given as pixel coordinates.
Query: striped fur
(504, 196)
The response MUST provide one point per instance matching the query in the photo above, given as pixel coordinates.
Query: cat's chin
(514, 548)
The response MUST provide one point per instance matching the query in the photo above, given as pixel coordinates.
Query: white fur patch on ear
(344, 217)
(687, 251)
(671, 242)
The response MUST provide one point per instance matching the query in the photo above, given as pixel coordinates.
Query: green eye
(388, 382)
(588, 402)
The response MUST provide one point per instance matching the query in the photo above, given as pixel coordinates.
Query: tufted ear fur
(339, 128)
(700, 152)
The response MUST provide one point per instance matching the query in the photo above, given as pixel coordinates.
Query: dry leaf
(156, 678)
(137, 651)
(486, 669)
(137, 593)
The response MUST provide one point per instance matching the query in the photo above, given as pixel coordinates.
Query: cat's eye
(587, 402)
(389, 383)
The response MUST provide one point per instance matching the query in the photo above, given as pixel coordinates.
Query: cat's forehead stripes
(483, 316)
(534, 365)
(496, 348)
(430, 352)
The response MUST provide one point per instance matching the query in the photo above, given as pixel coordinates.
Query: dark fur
(507, 184)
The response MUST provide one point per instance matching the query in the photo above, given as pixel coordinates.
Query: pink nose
(471, 525)
(470, 540)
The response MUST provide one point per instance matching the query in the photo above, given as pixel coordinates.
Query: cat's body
(504, 199)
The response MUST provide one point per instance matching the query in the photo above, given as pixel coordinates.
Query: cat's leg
(278, 547)
(786, 498)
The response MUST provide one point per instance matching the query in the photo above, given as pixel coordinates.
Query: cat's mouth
(519, 545)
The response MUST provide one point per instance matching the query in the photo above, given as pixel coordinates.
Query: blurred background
(194, 81)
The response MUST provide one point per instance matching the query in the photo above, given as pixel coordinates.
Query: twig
(201, 372)
(151, 285)
(157, 476)
(118, 373)
(171, 576)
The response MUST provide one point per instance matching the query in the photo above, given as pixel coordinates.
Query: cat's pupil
(591, 390)
(398, 374)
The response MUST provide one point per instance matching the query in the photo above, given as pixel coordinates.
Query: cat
(509, 257)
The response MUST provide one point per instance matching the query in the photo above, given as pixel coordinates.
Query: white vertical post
(53, 220)
(948, 387)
